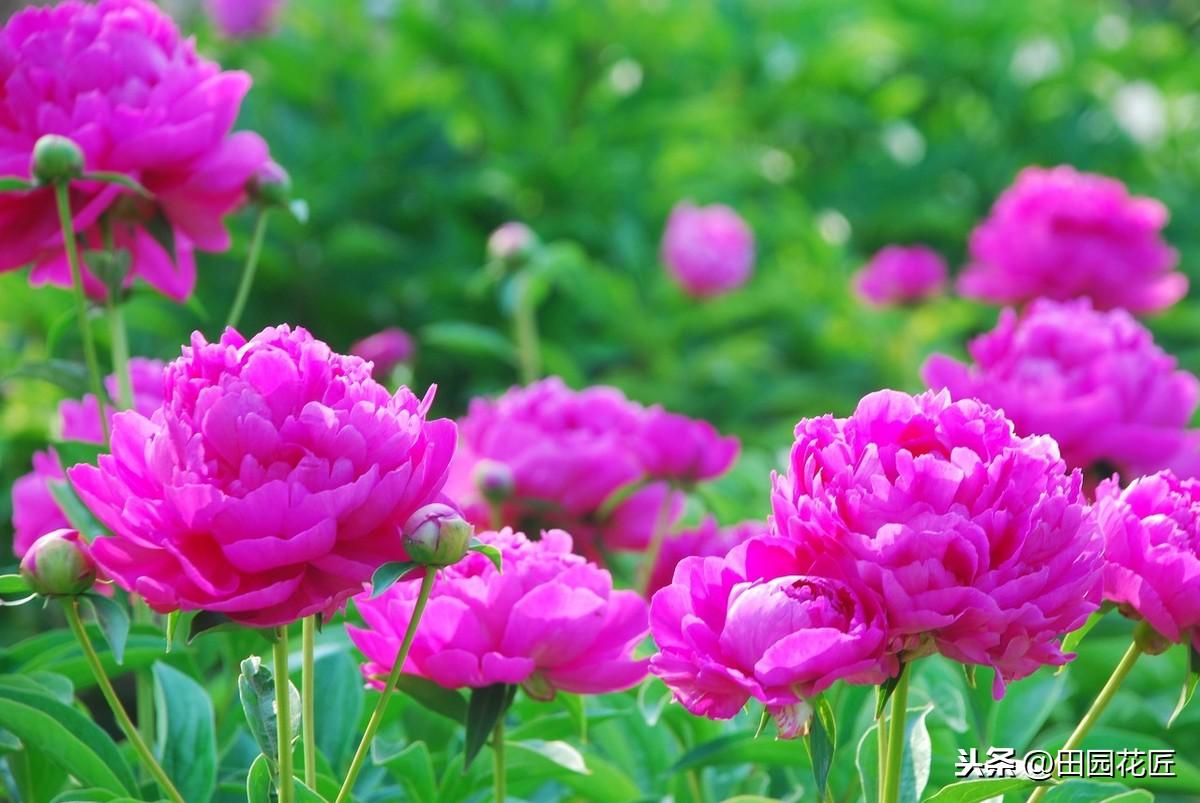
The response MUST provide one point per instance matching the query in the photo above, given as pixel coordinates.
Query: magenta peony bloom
(386, 349)
(684, 449)
(706, 540)
(244, 19)
(1058, 233)
(117, 78)
(270, 485)
(980, 544)
(34, 510)
(767, 621)
(550, 621)
(1152, 552)
(901, 274)
(708, 249)
(1094, 381)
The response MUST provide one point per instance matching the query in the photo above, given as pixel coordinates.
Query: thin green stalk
(890, 792)
(528, 351)
(662, 522)
(283, 718)
(496, 515)
(143, 682)
(693, 782)
(63, 199)
(1101, 702)
(376, 719)
(71, 607)
(498, 777)
(881, 743)
(120, 353)
(249, 269)
(308, 696)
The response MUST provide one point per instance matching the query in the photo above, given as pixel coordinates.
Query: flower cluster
(901, 274)
(707, 539)
(708, 249)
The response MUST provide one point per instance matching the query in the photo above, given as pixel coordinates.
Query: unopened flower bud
(271, 186)
(59, 565)
(494, 481)
(437, 535)
(56, 160)
(511, 243)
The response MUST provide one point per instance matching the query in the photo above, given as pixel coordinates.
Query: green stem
(120, 353)
(496, 515)
(283, 718)
(71, 607)
(657, 538)
(528, 351)
(881, 744)
(1101, 702)
(376, 719)
(693, 782)
(249, 269)
(308, 721)
(498, 776)
(143, 682)
(63, 199)
(895, 759)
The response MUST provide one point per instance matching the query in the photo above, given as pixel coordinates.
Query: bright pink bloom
(550, 621)
(244, 19)
(386, 349)
(34, 510)
(769, 622)
(1061, 234)
(706, 540)
(684, 449)
(980, 544)
(1094, 381)
(708, 249)
(270, 485)
(118, 79)
(901, 274)
(1152, 552)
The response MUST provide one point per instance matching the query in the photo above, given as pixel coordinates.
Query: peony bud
(56, 160)
(271, 186)
(494, 480)
(58, 565)
(511, 243)
(437, 535)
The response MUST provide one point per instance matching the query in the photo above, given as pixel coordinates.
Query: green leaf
(206, 623)
(258, 781)
(577, 708)
(256, 688)
(91, 796)
(1078, 790)
(539, 755)
(388, 574)
(915, 764)
(14, 184)
(1189, 684)
(13, 584)
(70, 376)
(940, 682)
(59, 687)
(72, 453)
(120, 179)
(1071, 641)
(1132, 796)
(885, 691)
(491, 552)
(979, 790)
(67, 737)
(822, 741)
(172, 624)
(341, 703)
(113, 620)
(1015, 720)
(447, 702)
(186, 742)
(742, 748)
(468, 339)
(76, 512)
(484, 710)
(652, 698)
(298, 209)
(412, 767)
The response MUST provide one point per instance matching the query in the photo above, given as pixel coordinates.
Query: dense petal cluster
(385, 350)
(708, 249)
(550, 622)
(244, 19)
(34, 510)
(1059, 233)
(1094, 381)
(1152, 552)
(118, 79)
(979, 543)
(273, 481)
(707, 539)
(682, 449)
(769, 621)
(901, 274)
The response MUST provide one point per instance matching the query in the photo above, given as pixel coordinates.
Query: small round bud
(437, 535)
(511, 243)
(271, 186)
(494, 480)
(56, 160)
(59, 565)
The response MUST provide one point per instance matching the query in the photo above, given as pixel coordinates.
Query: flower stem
(106, 688)
(120, 353)
(881, 743)
(143, 682)
(1101, 702)
(895, 754)
(307, 694)
(645, 570)
(249, 269)
(376, 719)
(498, 776)
(283, 718)
(525, 319)
(63, 199)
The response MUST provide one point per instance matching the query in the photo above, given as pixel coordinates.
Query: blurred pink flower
(1059, 233)
(117, 78)
(980, 544)
(766, 621)
(1152, 552)
(550, 621)
(270, 485)
(510, 241)
(386, 349)
(1094, 381)
(244, 19)
(683, 449)
(708, 249)
(706, 540)
(901, 274)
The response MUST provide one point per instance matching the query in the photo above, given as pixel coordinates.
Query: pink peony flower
(1063, 234)
(511, 241)
(244, 19)
(980, 544)
(901, 274)
(117, 78)
(1094, 381)
(708, 249)
(706, 540)
(1152, 552)
(550, 621)
(767, 621)
(386, 349)
(683, 449)
(34, 510)
(270, 485)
